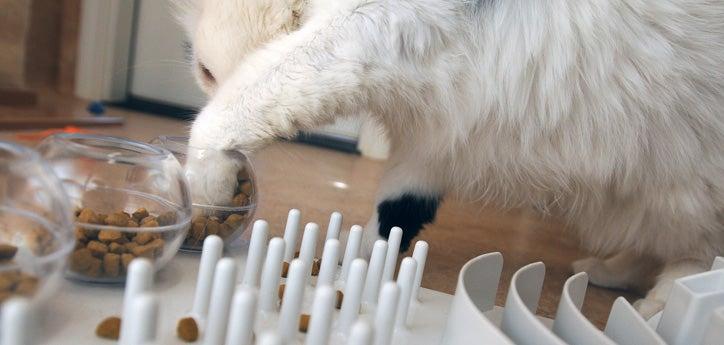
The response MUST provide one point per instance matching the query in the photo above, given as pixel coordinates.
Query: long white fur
(607, 113)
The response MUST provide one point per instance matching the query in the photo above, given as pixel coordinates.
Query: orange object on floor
(40, 135)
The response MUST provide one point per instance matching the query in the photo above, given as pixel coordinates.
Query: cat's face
(223, 32)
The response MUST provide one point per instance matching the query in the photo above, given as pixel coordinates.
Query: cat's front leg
(298, 82)
(409, 196)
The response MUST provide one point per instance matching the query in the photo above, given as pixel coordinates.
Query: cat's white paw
(598, 273)
(212, 177)
(648, 307)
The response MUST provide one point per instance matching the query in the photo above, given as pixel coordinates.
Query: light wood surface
(292, 175)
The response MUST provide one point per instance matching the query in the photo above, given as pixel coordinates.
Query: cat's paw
(648, 307)
(212, 176)
(598, 273)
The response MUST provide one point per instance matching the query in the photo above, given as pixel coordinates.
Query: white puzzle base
(232, 286)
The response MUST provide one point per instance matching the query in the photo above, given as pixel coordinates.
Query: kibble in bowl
(35, 225)
(131, 200)
(229, 221)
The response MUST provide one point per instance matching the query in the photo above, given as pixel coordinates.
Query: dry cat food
(304, 323)
(187, 329)
(316, 266)
(14, 282)
(222, 223)
(107, 253)
(109, 328)
(339, 296)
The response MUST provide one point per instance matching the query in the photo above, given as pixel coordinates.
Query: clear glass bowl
(230, 221)
(130, 199)
(36, 233)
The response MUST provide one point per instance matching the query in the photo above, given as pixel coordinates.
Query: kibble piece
(90, 234)
(116, 248)
(132, 224)
(7, 251)
(234, 220)
(316, 266)
(150, 224)
(126, 260)
(95, 268)
(148, 219)
(198, 232)
(118, 219)
(130, 246)
(87, 215)
(280, 291)
(212, 227)
(112, 264)
(27, 285)
(81, 260)
(247, 188)
(143, 238)
(80, 235)
(144, 251)
(285, 269)
(166, 218)
(8, 279)
(239, 200)
(109, 235)
(304, 323)
(109, 328)
(97, 249)
(140, 214)
(149, 250)
(187, 329)
(225, 230)
(339, 300)
(157, 244)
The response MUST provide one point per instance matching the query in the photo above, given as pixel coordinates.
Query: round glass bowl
(130, 200)
(229, 221)
(36, 233)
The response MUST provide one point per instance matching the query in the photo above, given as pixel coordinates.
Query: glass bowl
(130, 199)
(230, 221)
(36, 233)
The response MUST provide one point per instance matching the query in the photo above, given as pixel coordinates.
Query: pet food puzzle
(250, 300)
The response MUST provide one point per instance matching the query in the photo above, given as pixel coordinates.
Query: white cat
(607, 113)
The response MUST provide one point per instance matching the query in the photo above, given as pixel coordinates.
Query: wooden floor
(293, 175)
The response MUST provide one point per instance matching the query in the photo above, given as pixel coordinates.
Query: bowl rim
(144, 153)
(18, 151)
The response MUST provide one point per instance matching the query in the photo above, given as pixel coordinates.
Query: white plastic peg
(335, 225)
(222, 290)
(386, 313)
(330, 257)
(271, 275)
(374, 272)
(420, 256)
(291, 233)
(210, 255)
(351, 251)
(257, 252)
(241, 320)
(393, 248)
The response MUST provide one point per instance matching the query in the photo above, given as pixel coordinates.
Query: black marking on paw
(410, 212)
